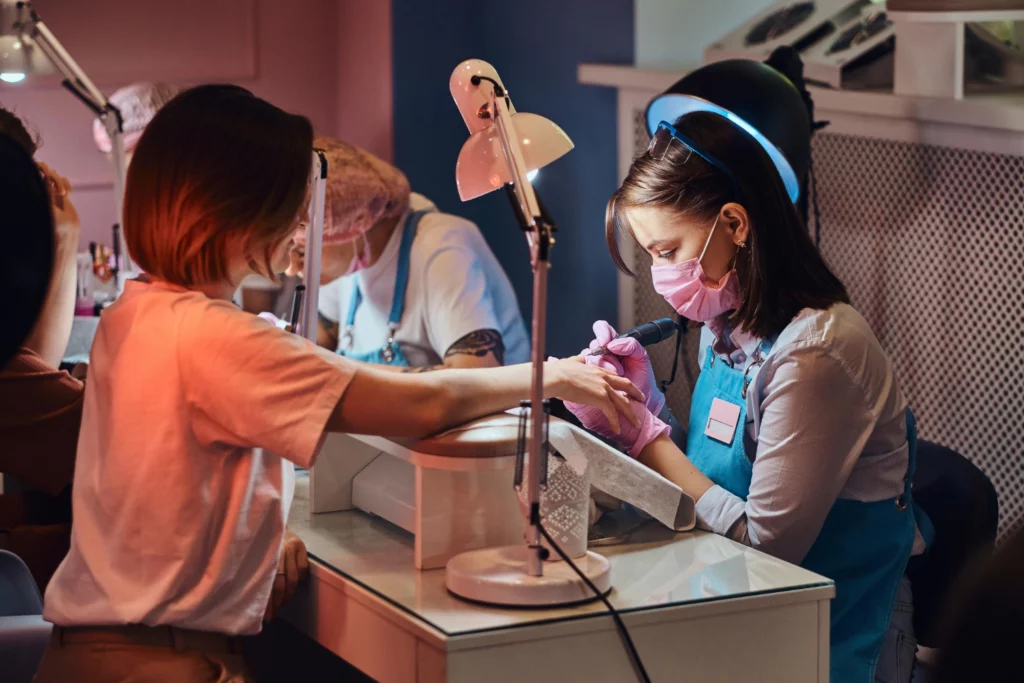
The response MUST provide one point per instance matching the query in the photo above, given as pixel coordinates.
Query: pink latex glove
(628, 359)
(275, 321)
(631, 439)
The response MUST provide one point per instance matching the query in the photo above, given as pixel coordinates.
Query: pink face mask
(689, 291)
(360, 259)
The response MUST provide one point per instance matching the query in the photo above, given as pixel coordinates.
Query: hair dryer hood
(755, 97)
(482, 166)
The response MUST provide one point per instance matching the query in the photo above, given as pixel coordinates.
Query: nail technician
(800, 441)
(407, 285)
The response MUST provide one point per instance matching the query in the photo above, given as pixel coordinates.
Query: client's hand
(628, 358)
(292, 567)
(596, 388)
(633, 437)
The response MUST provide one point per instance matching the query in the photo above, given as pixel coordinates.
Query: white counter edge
(596, 622)
(591, 622)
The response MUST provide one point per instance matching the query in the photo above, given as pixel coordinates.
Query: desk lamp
(27, 46)
(504, 147)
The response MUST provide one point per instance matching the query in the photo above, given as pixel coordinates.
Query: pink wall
(329, 60)
(364, 95)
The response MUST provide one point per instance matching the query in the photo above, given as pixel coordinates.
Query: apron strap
(353, 304)
(401, 277)
(348, 332)
(763, 349)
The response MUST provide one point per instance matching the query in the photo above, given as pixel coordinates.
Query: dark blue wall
(536, 46)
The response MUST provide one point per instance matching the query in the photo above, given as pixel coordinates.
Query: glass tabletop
(657, 568)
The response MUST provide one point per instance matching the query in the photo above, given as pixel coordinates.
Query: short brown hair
(217, 169)
(14, 128)
(781, 271)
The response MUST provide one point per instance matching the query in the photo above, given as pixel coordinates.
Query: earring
(741, 244)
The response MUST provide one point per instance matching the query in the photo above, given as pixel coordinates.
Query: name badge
(722, 421)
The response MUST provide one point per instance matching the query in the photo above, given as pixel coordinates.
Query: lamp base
(497, 576)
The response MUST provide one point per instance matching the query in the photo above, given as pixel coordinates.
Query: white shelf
(957, 17)
(1003, 113)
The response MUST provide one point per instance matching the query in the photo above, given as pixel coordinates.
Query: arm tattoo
(422, 368)
(479, 344)
(329, 325)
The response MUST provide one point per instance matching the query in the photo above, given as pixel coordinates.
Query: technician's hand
(630, 360)
(292, 567)
(597, 388)
(633, 437)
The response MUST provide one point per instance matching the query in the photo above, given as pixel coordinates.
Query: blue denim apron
(863, 547)
(390, 353)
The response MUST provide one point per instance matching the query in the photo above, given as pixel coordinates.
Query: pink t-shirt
(179, 512)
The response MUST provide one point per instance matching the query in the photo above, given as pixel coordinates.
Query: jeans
(896, 660)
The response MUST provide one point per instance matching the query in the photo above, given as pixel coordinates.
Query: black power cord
(680, 333)
(634, 656)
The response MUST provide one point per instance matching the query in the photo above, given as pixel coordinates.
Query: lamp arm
(539, 236)
(112, 122)
(314, 240)
(64, 62)
(514, 158)
(80, 85)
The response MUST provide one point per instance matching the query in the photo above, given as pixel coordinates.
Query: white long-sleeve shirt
(826, 419)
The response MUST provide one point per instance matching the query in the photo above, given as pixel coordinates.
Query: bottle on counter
(85, 302)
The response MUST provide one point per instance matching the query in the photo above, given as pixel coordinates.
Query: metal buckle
(388, 352)
(756, 363)
(901, 502)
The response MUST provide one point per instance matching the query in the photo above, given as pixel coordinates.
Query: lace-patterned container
(564, 506)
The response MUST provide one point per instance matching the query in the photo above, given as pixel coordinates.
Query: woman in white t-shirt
(406, 285)
(195, 411)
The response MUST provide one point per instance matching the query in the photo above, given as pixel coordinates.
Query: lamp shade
(19, 55)
(753, 96)
(14, 62)
(482, 166)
